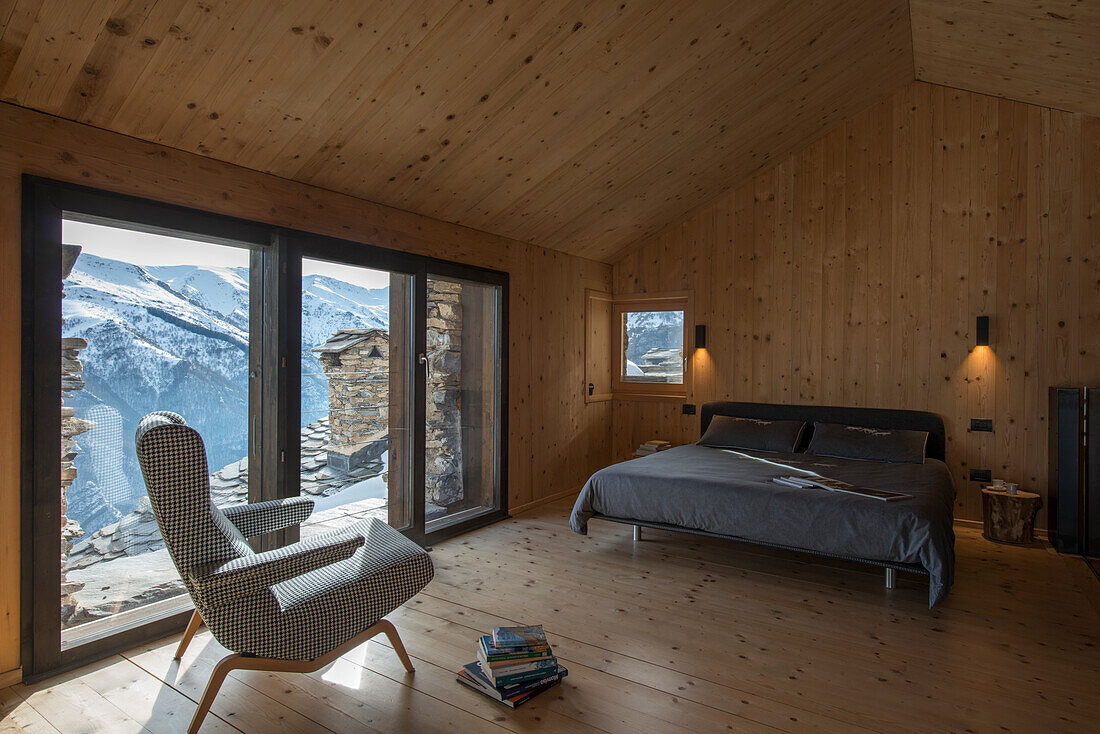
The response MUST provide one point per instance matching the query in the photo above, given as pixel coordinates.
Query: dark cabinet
(1074, 480)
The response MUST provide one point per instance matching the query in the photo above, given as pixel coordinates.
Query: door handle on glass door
(427, 368)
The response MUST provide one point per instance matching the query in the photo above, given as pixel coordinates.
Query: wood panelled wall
(853, 271)
(555, 440)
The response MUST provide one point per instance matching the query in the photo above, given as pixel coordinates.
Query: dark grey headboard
(911, 420)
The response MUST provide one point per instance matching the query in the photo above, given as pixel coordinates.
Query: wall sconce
(700, 336)
(982, 330)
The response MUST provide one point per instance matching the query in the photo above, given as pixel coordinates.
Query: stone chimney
(357, 364)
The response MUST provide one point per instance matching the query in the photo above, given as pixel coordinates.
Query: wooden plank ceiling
(581, 126)
(1045, 52)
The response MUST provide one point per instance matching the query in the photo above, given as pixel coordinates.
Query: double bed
(730, 492)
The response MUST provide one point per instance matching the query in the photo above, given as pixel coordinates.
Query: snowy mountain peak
(177, 338)
(219, 289)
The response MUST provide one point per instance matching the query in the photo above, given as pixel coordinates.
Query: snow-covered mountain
(223, 291)
(646, 330)
(176, 338)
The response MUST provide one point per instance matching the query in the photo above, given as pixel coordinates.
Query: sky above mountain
(154, 249)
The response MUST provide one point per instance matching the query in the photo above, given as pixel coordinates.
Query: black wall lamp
(982, 330)
(700, 336)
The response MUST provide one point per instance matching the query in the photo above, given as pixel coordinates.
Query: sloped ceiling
(1046, 52)
(582, 126)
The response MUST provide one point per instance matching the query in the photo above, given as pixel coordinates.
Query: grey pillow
(869, 444)
(726, 432)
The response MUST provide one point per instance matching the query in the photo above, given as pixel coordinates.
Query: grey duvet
(732, 493)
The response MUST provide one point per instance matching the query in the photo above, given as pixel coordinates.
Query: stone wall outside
(356, 363)
(359, 399)
(71, 427)
(443, 445)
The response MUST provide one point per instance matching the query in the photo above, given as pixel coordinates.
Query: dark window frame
(275, 392)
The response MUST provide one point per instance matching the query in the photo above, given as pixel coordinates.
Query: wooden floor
(674, 634)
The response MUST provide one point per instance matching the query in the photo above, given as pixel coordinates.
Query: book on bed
(835, 485)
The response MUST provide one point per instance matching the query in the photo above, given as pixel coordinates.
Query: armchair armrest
(266, 517)
(217, 584)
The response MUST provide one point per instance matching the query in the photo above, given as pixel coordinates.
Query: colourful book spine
(506, 680)
(511, 696)
(493, 653)
(512, 667)
(510, 637)
(517, 689)
(498, 664)
(476, 674)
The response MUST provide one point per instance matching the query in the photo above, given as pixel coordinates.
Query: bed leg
(637, 533)
(891, 578)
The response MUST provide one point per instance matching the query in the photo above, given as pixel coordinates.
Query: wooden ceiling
(1046, 52)
(581, 126)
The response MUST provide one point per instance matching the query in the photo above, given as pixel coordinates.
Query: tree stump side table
(1009, 518)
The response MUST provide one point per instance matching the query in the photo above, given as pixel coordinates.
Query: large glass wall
(308, 365)
(149, 322)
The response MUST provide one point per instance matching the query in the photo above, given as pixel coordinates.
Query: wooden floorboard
(18, 715)
(673, 634)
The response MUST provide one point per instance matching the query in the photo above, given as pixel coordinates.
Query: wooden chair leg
(192, 627)
(241, 662)
(228, 663)
(395, 640)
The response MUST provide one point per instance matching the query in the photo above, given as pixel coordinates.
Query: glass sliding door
(356, 445)
(401, 389)
(372, 381)
(128, 307)
(149, 322)
(462, 401)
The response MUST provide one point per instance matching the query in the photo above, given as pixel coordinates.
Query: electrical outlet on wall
(981, 424)
(981, 475)
(689, 408)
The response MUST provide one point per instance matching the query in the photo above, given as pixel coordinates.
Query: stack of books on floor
(652, 447)
(514, 664)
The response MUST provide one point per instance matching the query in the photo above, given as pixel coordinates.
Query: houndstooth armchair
(293, 609)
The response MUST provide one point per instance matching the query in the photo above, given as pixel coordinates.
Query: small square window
(653, 347)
